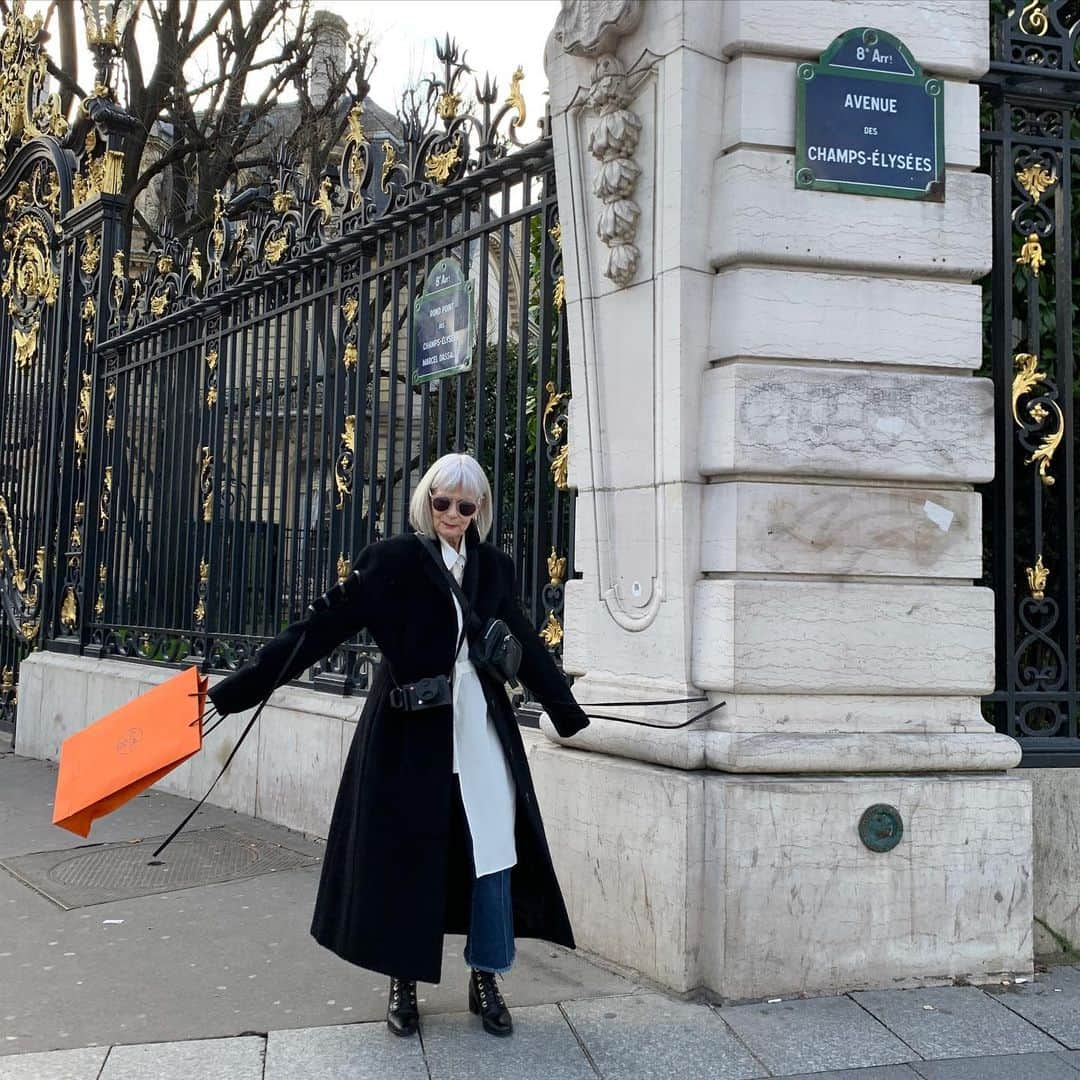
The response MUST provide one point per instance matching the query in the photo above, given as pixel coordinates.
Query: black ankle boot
(487, 1003)
(402, 1015)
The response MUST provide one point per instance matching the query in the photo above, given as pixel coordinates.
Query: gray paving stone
(1051, 1002)
(650, 1037)
(542, 1045)
(207, 1059)
(961, 1021)
(877, 1072)
(349, 1052)
(1071, 1058)
(1006, 1067)
(815, 1035)
(54, 1065)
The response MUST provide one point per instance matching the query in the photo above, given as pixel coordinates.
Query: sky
(497, 36)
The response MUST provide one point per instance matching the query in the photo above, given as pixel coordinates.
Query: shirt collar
(450, 556)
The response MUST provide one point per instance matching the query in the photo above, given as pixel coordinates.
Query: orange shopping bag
(122, 754)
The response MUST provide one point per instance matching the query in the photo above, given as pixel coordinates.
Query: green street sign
(443, 332)
(869, 122)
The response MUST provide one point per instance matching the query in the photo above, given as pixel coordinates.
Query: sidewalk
(115, 978)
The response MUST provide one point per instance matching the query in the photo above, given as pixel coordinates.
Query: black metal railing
(260, 436)
(189, 456)
(1031, 139)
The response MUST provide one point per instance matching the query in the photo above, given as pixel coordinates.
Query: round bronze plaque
(880, 827)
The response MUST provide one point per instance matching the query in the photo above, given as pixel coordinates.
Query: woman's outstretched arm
(331, 620)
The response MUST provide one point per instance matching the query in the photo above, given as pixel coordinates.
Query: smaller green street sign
(869, 122)
(442, 339)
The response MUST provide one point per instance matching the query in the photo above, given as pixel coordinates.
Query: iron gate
(201, 448)
(1031, 142)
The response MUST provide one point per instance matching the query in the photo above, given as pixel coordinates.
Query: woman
(436, 828)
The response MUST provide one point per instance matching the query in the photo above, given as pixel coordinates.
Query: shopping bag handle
(228, 761)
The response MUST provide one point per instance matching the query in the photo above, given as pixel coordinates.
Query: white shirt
(487, 788)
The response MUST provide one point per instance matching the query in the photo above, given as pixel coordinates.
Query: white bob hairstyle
(460, 474)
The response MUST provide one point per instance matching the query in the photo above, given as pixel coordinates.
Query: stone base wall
(751, 886)
(743, 885)
(286, 772)
(1056, 874)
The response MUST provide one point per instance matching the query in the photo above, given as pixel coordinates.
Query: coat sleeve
(539, 672)
(331, 620)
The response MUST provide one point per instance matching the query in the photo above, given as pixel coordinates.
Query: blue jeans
(490, 944)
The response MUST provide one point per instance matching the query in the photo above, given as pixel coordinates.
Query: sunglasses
(442, 503)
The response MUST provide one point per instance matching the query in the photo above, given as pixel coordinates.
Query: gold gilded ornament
(516, 98)
(91, 255)
(99, 603)
(343, 565)
(206, 484)
(448, 106)
(437, 167)
(82, 417)
(556, 567)
(89, 310)
(276, 248)
(350, 308)
(1033, 19)
(552, 632)
(1027, 377)
(560, 468)
(118, 278)
(556, 398)
(356, 126)
(1037, 576)
(1031, 254)
(29, 281)
(1035, 180)
(1043, 456)
(323, 201)
(343, 468)
(350, 357)
(106, 499)
(558, 294)
(195, 268)
(388, 162)
(69, 610)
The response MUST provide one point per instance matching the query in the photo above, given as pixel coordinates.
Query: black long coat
(395, 877)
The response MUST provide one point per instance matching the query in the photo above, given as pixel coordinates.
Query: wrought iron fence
(1031, 142)
(207, 446)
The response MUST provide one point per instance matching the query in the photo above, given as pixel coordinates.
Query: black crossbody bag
(496, 651)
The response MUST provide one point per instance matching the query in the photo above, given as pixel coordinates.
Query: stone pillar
(774, 434)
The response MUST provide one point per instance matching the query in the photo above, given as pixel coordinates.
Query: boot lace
(396, 986)
(485, 984)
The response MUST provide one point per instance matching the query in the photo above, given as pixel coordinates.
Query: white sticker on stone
(890, 425)
(939, 515)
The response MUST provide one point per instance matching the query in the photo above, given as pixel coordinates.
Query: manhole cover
(97, 875)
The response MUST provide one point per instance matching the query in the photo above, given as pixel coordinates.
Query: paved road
(222, 980)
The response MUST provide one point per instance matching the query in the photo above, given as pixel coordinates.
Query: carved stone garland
(593, 30)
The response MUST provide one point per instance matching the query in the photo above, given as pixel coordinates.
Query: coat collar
(472, 567)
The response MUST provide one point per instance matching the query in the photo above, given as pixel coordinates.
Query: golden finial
(556, 567)
(1031, 254)
(356, 127)
(448, 105)
(1037, 576)
(323, 201)
(516, 98)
